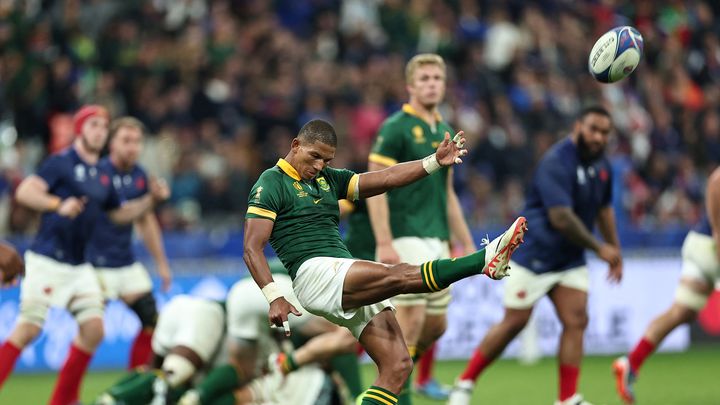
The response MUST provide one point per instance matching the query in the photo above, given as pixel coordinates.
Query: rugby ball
(616, 54)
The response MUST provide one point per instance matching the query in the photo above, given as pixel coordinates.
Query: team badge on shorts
(324, 186)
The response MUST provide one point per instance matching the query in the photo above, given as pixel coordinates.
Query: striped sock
(287, 363)
(439, 274)
(378, 396)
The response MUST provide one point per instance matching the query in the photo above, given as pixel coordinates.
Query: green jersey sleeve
(388, 146)
(345, 183)
(265, 198)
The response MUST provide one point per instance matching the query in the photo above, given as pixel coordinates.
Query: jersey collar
(288, 169)
(408, 109)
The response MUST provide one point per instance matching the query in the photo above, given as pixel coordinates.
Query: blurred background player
(189, 334)
(11, 265)
(415, 224)
(71, 191)
(569, 194)
(110, 247)
(700, 273)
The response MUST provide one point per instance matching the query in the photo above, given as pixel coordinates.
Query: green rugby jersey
(305, 213)
(418, 209)
(359, 237)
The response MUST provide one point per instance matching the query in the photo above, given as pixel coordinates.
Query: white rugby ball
(616, 54)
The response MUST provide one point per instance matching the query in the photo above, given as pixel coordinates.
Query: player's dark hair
(318, 131)
(593, 109)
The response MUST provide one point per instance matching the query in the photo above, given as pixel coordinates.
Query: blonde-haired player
(414, 224)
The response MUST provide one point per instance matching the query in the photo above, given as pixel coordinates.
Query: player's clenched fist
(450, 151)
(159, 189)
(71, 207)
(278, 314)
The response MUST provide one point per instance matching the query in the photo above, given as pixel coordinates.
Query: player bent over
(72, 192)
(110, 247)
(294, 206)
(700, 272)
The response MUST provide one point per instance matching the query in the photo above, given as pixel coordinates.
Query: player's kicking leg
(368, 283)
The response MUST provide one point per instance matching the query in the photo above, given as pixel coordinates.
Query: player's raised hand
(71, 207)
(159, 189)
(452, 150)
(278, 314)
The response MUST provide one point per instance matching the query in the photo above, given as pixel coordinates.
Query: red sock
(425, 366)
(568, 381)
(67, 387)
(641, 352)
(9, 354)
(141, 350)
(477, 364)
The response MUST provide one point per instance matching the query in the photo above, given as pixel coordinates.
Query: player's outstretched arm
(449, 152)
(256, 236)
(571, 227)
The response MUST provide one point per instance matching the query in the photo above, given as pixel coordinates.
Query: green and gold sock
(439, 274)
(379, 396)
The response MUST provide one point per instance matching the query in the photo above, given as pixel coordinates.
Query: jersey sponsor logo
(117, 182)
(317, 201)
(302, 194)
(297, 186)
(435, 145)
(324, 186)
(419, 134)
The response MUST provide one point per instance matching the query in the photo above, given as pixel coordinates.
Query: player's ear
(295, 144)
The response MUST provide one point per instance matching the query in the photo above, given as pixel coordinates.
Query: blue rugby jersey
(562, 179)
(67, 175)
(111, 244)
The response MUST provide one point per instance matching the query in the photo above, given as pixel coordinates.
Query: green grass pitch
(690, 378)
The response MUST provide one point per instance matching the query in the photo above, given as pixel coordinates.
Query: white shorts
(247, 308)
(524, 288)
(318, 286)
(196, 323)
(700, 258)
(416, 251)
(120, 281)
(48, 282)
(301, 387)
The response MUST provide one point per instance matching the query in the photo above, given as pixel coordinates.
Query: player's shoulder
(395, 122)
(62, 158)
(270, 177)
(563, 153)
(139, 171)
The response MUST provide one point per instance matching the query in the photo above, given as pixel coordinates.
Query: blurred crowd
(223, 85)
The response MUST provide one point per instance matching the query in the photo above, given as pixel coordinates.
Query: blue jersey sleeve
(554, 184)
(607, 193)
(52, 170)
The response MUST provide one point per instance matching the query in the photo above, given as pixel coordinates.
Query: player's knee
(146, 310)
(682, 313)
(690, 298)
(576, 320)
(515, 323)
(177, 369)
(24, 333)
(34, 313)
(86, 308)
(92, 332)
